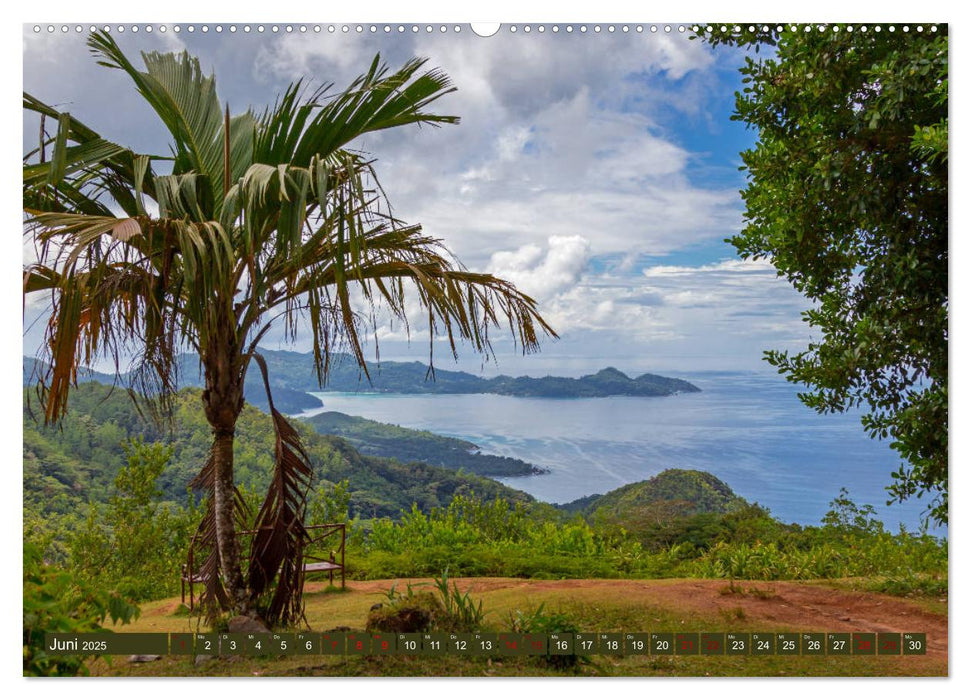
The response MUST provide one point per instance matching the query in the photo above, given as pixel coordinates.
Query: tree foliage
(847, 198)
(133, 542)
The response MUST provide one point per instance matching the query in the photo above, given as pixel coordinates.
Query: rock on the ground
(247, 625)
(143, 658)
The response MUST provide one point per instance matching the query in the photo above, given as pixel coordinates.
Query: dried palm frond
(214, 597)
(276, 555)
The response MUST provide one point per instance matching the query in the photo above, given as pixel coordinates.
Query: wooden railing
(314, 558)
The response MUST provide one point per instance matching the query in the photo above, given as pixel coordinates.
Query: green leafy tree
(133, 543)
(260, 219)
(847, 198)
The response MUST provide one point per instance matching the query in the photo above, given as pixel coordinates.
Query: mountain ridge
(292, 378)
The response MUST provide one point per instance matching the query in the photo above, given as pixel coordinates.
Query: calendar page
(524, 349)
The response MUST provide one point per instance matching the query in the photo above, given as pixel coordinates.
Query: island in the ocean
(292, 376)
(294, 370)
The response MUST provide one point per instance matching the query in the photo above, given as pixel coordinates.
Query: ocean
(748, 429)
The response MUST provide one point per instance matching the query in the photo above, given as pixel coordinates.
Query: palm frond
(77, 177)
(374, 101)
(135, 287)
(279, 129)
(186, 102)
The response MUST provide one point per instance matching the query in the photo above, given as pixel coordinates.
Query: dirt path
(782, 603)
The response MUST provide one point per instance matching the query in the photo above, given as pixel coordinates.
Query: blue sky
(598, 171)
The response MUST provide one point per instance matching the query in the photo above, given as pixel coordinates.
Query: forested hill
(76, 461)
(292, 375)
(672, 493)
(384, 440)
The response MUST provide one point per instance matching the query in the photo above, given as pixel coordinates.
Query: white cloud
(716, 315)
(572, 169)
(544, 276)
(337, 57)
(557, 138)
(729, 298)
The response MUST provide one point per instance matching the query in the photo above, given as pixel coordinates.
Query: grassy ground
(601, 606)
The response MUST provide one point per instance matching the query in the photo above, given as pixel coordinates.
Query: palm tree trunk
(227, 541)
(223, 402)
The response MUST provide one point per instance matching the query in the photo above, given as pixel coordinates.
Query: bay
(748, 429)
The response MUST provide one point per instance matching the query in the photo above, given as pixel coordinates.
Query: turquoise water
(748, 429)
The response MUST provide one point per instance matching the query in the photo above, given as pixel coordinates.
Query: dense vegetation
(475, 537)
(55, 602)
(68, 465)
(383, 440)
(672, 493)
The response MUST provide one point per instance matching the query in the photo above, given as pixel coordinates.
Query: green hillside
(673, 492)
(384, 440)
(76, 461)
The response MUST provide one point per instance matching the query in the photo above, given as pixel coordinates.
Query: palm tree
(252, 220)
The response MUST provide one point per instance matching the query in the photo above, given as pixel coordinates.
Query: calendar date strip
(493, 644)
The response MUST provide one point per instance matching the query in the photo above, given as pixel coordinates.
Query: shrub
(416, 612)
(537, 621)
(450, 610)
(54, 602)
(461, 612)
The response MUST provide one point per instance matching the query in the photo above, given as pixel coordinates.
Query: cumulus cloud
(574, 168)
(540, 275)
(559, 136)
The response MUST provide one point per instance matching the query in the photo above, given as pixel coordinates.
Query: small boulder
(143, 658)
(241, 624)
